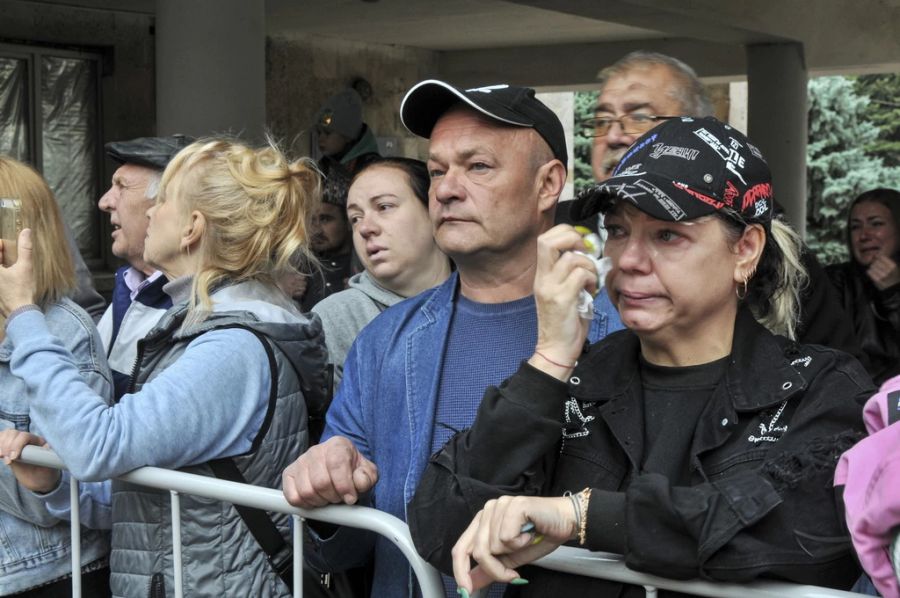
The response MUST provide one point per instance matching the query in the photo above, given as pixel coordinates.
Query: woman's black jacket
(760, 501)
(875, 318)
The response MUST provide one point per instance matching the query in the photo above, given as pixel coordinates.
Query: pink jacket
(870, 474)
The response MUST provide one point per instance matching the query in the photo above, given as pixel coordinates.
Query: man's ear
(749, 249)
(551, 180)
(193, 231)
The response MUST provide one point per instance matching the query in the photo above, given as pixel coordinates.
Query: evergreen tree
(838, 167)
(884, 111)
(585, 104)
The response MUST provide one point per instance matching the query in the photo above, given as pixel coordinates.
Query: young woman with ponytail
(222, 379)
(699, 443)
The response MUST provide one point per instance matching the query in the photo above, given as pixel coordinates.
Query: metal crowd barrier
(177, 483)
(612, 567)
(565, 559)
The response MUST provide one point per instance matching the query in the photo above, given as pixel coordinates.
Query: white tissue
(585, 300)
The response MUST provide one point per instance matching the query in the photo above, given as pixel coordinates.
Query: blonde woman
(220, 379)
(35, 553)
(700, 442)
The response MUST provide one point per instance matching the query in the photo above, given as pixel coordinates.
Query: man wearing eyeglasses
(643, 89)
(638, 92)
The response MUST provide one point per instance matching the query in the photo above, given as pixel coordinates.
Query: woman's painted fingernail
(519, 581)
(537, 539)
(463, 592)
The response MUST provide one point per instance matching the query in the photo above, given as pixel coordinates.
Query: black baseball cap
(151, 152)
(686, 168)
(428, 100)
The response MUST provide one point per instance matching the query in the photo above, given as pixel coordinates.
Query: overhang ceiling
(447, 26)
(562, 43)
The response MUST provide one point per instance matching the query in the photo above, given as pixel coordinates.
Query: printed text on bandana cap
(489, 88)
(729, 153)
(630, 153)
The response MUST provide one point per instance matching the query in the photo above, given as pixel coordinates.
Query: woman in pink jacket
(870, 475)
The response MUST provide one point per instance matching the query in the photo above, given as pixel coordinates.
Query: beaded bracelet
(584, 498)
(576, 508)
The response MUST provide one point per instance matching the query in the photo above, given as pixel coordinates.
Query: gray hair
(153, 184)
(690, 93)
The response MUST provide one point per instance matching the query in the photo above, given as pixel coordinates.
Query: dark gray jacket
(220, 556)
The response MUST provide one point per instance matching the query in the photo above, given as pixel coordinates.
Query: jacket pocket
(747, 460)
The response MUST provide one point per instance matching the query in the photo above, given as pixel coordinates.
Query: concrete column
(211, 67)
(776, 115)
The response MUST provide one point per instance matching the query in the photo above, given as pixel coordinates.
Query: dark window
(50, 118)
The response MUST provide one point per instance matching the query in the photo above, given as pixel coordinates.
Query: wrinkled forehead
(463, 131)
(653, 86)
(462, 118)
(133, 175)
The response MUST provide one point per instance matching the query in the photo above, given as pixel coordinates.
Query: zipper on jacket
(157, 586)
(132, 380)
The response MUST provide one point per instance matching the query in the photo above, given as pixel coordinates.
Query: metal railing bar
(268, 499)
(565, 559)
(176, 544)
(298, 555)
(609, 566)
(75, 530)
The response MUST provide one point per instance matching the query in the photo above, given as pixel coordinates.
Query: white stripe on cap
(462, 97)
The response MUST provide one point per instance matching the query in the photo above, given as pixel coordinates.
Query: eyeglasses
(632, 124)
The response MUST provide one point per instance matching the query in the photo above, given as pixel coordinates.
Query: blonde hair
(780, 312)
(257, 207)
(54, 272)
(773, 290)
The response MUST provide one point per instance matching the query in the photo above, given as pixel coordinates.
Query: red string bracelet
(556, 363)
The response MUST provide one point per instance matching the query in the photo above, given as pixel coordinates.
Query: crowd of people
(707, 408)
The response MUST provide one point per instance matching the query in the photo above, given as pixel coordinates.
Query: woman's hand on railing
(496, 542)
(33, 477)
(17, 280)
(562, 273)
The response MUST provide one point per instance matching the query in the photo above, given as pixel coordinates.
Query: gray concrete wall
(303, 72)
(211, 67)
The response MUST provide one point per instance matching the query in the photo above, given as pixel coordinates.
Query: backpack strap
(258, 522)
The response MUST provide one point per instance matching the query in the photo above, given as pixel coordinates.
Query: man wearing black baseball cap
(497, 160)
(138, 300)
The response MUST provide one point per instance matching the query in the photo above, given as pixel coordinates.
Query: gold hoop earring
(737, 291)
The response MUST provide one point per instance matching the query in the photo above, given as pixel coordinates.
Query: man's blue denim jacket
(386, 405)
(35, 546)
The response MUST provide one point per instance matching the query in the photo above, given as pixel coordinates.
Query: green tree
(883, 110)
(585, 103)
(838, 166)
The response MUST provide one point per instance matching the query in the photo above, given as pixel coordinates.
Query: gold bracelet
(584, 498)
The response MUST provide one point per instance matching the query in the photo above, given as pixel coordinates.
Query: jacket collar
(759, 374)
(441, 299)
